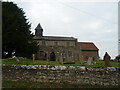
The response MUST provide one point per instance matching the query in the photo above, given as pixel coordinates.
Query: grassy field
(57, 63)
(21, 84)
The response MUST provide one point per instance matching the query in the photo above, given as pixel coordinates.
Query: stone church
(55, 48)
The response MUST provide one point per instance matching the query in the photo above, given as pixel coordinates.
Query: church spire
(38, 31)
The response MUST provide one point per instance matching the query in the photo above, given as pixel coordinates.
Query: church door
(52, 56)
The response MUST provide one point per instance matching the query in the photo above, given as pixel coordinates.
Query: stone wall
(86, 54)
(56, 43)
(62, 53)
(62, 74)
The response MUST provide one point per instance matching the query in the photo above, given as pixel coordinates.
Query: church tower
(38, 31)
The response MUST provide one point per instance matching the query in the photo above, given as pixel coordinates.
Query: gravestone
(106, 59)
(17, 60)
(33, 56)
(90, 59)
(82, 60)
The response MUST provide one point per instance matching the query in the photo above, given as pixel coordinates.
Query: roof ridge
(85, 42)
(58, 36)
(55, 38)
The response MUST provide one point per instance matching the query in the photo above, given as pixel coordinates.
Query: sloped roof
(55, 38)
(87, 46)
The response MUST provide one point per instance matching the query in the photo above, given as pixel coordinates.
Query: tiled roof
(87, 46)
(55, 38)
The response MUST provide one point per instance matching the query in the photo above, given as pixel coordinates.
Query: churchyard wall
(62, 74)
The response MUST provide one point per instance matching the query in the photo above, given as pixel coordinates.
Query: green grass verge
(23, 84)
(29, 62)
(57, 63)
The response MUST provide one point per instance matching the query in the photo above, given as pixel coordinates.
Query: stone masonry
(63, 74)
(56, 48)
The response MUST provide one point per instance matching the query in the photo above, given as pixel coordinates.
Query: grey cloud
(90, 21)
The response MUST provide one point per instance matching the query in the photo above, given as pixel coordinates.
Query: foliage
(16, 34)
(117, 57)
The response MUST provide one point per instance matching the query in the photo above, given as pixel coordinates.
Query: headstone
(17, 60)
(90, 59)
(82, 60)
(33, 55)
(106, 59)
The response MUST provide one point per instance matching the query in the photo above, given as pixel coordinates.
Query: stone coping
(63, 67)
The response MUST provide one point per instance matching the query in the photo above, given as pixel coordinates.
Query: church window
(68, 43)
(43, 42)
(41, 53)
(56, 43)
(64, 54)
(69, 53)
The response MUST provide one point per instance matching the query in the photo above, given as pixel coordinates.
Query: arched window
(52, 56)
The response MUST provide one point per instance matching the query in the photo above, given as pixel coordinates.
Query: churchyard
(31, 63)
(23, 61)
(100, 67)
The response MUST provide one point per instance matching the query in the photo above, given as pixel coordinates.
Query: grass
(29, 62)
(55, 63)
(23, 84)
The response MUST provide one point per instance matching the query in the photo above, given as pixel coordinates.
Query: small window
(68, 43)
(56, 43)
(69, 53)
(41, 53)
(43, 42)
(63, 54)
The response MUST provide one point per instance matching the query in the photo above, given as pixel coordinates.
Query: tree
(118, 58)
(16, 34)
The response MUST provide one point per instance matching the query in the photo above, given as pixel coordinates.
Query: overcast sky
(94, 21)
